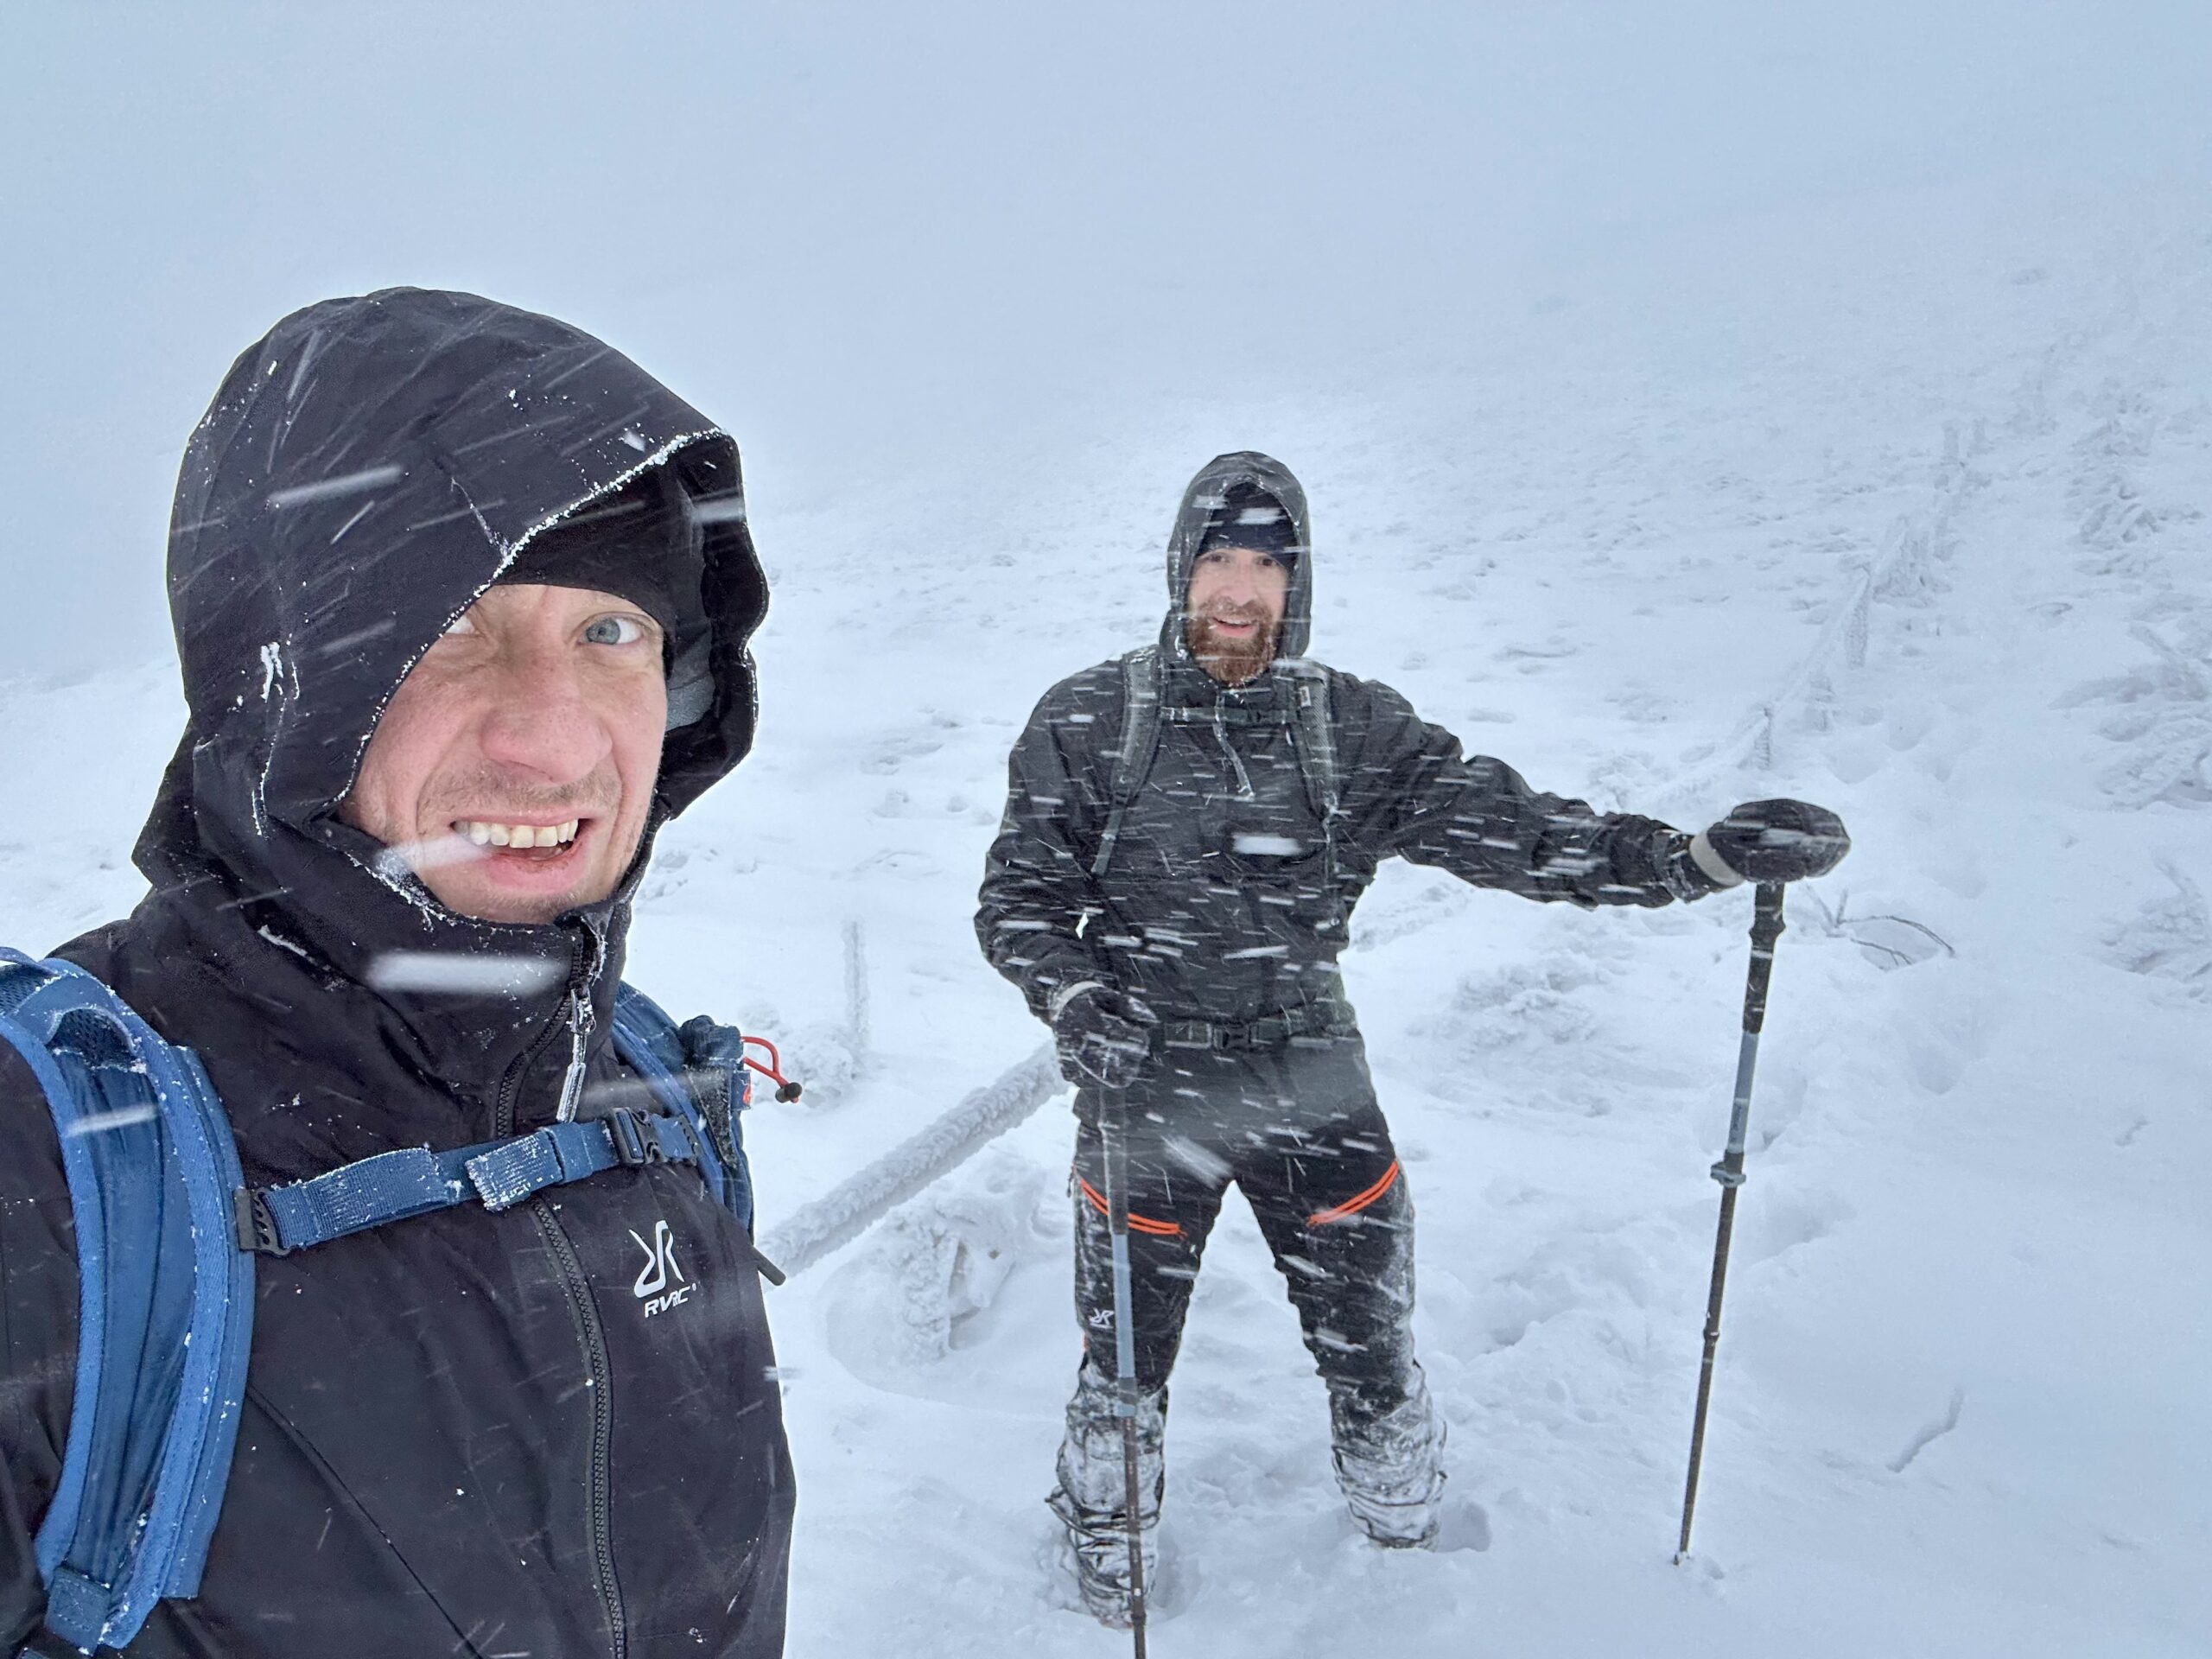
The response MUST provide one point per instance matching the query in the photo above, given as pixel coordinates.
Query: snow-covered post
(856, 1032)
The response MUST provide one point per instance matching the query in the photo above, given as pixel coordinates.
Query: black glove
(1779, 841)
(1105, 1035)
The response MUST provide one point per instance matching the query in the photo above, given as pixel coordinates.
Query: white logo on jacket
(659, 1272)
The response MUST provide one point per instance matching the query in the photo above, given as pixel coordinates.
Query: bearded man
(1187, 828)
(462, 599)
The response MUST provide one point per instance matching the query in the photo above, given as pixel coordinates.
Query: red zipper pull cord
(786, 1090)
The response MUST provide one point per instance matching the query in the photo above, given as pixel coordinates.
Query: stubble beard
(1232, 662)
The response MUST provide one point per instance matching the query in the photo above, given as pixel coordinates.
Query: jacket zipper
(1255, 911)
(583, 972)
(581, 1019)
(592, 1338)
(585, 965)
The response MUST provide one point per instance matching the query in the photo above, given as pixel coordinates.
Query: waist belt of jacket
(1327, 1020)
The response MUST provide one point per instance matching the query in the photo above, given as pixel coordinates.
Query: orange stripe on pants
(1137, 1224)
(1352, 1206)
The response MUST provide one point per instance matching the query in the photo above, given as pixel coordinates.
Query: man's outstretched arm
(1410, 790)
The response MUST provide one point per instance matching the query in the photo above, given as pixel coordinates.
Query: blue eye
(614, 631)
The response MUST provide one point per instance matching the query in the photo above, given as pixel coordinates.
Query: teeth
(485, 834)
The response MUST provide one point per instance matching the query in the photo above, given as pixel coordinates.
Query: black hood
(1202, 501)
(365, 472)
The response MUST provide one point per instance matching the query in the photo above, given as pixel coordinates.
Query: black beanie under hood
(640, 542)
(1249, 517)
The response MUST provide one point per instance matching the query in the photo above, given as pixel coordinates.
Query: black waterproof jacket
(465, 1433)
(1219, 902)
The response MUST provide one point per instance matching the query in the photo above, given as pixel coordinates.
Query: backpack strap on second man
(1312, 725)
(1313, 731)
(1141, 676)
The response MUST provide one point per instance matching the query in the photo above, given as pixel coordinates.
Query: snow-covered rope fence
(838, 1217)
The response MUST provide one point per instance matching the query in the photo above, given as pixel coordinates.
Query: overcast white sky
(868, 236)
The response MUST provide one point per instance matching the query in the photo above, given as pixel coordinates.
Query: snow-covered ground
(1696, 403)
(1896, 503)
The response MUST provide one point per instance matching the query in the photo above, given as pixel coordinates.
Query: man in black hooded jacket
(1187, 830)
(463, 599)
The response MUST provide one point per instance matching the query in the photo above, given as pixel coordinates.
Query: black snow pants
(1298, 1129)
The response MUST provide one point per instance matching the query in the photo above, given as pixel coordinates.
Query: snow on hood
(365, 471)
(1203, 498)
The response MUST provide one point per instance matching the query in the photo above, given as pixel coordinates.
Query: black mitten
(1105, 1035)
(1779, 841)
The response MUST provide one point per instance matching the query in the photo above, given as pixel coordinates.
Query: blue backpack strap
(414, 1180)
(165, 1302)
(498, 1174)
(699, 1073)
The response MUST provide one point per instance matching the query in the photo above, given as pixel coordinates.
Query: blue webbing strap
(166, 1305)
(60, 1526)
(414, 1181)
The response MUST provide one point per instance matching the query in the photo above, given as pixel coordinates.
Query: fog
(875, 240)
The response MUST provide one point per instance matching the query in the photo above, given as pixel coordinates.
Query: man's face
(513, 768)
(1233, 613)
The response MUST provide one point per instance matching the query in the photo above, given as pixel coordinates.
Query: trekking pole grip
(1767, 927)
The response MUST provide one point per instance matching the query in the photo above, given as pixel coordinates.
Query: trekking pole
(1110, 1131)
(1766, 928)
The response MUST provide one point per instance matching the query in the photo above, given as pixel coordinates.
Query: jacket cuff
(1688, 875)
(1707, 858)
(1058, 1004)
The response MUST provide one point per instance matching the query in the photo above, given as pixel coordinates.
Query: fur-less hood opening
(1205, 498)
(365, 472)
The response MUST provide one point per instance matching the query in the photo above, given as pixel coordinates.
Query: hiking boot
(1092, 1498)
(1099, 1563)
(1391, 1471)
